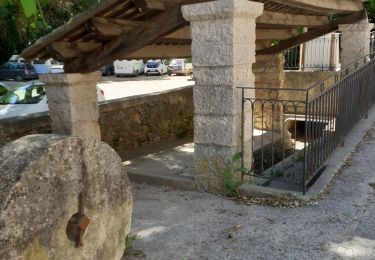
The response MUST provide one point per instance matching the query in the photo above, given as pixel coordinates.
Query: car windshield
(152, 64)
(176, 62)
(23, 95)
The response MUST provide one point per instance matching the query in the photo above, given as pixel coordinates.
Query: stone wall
(302, 81)
(129, 123)
(125, 123)
(269, 73)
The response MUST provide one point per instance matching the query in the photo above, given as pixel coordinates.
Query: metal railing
(319, 54)
(296, 130)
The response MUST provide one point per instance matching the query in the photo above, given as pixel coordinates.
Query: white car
(155, 67)
(28, 98)
(128, 67)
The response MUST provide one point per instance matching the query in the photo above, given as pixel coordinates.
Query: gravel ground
(192, 225)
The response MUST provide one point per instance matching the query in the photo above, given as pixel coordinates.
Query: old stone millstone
(41, 177)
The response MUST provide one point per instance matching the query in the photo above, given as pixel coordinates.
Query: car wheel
(19, 78)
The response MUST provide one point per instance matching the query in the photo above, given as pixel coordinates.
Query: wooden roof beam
(333, 6)
(275, 34)
(115, 27)
(68, 27)
(291, 20)
(72, 50)
(312, 34)
(164, 23)
(145, 5)
(160, 51)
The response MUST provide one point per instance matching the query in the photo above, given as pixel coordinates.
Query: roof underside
(118, 29)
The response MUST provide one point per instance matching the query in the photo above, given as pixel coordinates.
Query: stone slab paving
(192, 225)
(171, 163)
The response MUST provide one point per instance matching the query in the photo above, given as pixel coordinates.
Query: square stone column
(355, 41)
(73, 103)
(223, 51)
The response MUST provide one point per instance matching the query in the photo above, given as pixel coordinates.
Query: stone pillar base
(73, 103)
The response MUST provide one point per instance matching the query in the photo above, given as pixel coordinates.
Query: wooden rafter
(126, 43)
(267, 19)
(333, 6)
(312, 34)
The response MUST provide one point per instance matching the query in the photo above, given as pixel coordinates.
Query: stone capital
(356, 27)
(70, 79)
(222, 9)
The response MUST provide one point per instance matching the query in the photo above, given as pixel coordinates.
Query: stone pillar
(355, 41)
(223, 50)
(73, 103)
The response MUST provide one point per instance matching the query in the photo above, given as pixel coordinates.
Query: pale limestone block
(73, 105)
(222, 54)
(225, 75)
(219, 130)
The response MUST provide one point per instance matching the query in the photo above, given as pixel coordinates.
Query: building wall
(304, 80)
(125, 123)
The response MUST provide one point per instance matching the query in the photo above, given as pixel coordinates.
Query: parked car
(107, 70)
(129, 67)
(18, 71)
(28, 98)
(41, 67)
(57, 68)
(155, 67)
(180, 67)
(3, 89)
(16, 58)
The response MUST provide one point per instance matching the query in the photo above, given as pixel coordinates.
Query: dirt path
(192, 225)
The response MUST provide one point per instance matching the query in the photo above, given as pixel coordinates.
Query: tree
(370, 6)
(22, 22)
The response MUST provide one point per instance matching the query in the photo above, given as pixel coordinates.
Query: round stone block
(41, 179)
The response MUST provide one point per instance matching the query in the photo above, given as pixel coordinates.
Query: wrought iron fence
(319, 54)
(295, 130)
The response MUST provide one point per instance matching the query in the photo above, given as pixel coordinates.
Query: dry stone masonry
(41, 177)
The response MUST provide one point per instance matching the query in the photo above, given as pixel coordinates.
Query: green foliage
(22, 22)
(129, 241)
(230, 184)
(370, 7)
(29, 7)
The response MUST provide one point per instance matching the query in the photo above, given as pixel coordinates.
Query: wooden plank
(159, 52)
(290, 20)
(275, 34)
(107, 29)
(121, 22)
(312, 34)
(69, 27)
(72, 50)
(145, 5)
(127, 43)
(333, 6)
